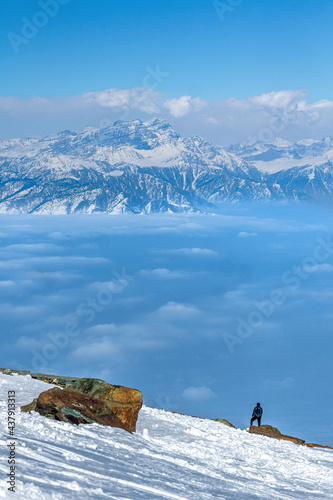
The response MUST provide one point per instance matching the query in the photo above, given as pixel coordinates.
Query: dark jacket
(257, 412)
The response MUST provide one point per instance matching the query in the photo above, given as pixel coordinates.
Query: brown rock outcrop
(273, 432)
(123, 401)
(74, 407)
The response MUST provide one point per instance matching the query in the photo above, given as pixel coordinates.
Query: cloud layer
(286, 113)
(179, 306)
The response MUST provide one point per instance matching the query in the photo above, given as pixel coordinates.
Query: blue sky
(253, 49)
(261, 46)
(152, 302)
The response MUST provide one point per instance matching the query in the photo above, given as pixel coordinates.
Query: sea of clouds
(205, 314)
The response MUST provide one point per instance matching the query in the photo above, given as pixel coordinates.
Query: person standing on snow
(257, 414)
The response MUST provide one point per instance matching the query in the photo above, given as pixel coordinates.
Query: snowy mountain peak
(281, 143)
(306, 142)
(140, 167)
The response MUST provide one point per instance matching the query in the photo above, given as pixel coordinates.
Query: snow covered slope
(170, 457)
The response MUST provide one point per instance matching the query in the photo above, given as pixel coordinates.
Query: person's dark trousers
(256, 418)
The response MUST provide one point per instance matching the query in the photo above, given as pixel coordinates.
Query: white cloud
(282, 100)
(212, 120)
(96, 351)
(202, 393)
(32, 247)
(58, 235)
(244, 234)
(184, 105)
(319, 268)
(236, 295)
(59, 276)
(27, 312)
(163, 273)
(138, 98)
(102, 329)
(200, 252)
(173, 310)
(285, 113)
(6, 284)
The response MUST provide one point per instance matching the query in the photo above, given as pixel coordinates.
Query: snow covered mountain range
(144, 167)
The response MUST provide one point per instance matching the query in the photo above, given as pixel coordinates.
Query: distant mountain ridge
(281, 155)
(145, 167)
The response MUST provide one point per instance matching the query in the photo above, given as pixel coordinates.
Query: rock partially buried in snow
(313, 445)
(74, 407)
(224, 421)
(6, 371)
(272, 432)
(123, 401)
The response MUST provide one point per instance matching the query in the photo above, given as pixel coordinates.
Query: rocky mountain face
(144, 167)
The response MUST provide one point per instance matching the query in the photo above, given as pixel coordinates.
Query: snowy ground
(170, 456)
